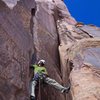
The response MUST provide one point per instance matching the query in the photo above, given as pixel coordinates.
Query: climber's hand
(31, 66)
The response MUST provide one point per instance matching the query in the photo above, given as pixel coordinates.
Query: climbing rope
(39, 89)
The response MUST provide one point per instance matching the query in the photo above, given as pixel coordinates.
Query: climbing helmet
(41, 62)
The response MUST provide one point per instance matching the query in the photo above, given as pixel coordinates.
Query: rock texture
(15, 50)
(45, 28)
(46, 40)
(80, 53)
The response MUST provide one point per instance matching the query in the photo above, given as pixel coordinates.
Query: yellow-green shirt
(39, 69)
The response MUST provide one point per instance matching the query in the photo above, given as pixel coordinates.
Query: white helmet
(41, 62)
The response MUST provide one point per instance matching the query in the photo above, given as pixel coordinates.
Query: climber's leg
(33, 85)
(56, 85)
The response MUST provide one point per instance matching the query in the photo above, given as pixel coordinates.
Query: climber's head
(41, 62)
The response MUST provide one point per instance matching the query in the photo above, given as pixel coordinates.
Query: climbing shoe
(66, 90)
(32, 98)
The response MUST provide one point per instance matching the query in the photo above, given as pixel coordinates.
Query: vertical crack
(33, 12)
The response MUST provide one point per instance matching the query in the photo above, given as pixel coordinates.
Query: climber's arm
(32, 66)
(45, 72)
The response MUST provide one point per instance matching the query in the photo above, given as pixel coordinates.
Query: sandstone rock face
(15, 50)
(85, 76)
(21, 32)
(80, 52)
(46, 40)
(45, 28)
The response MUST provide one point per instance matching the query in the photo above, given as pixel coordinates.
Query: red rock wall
(51, 33)
(15, 50)
(46, 40)
(20, 32)
(79, 53)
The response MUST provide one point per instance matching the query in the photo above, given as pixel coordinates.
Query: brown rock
(85, 74)
(80, 53)
(15, 51)
(45, 28)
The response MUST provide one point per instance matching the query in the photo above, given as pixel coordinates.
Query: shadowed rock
(15, 50)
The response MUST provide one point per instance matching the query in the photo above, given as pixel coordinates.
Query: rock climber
(40, 72)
